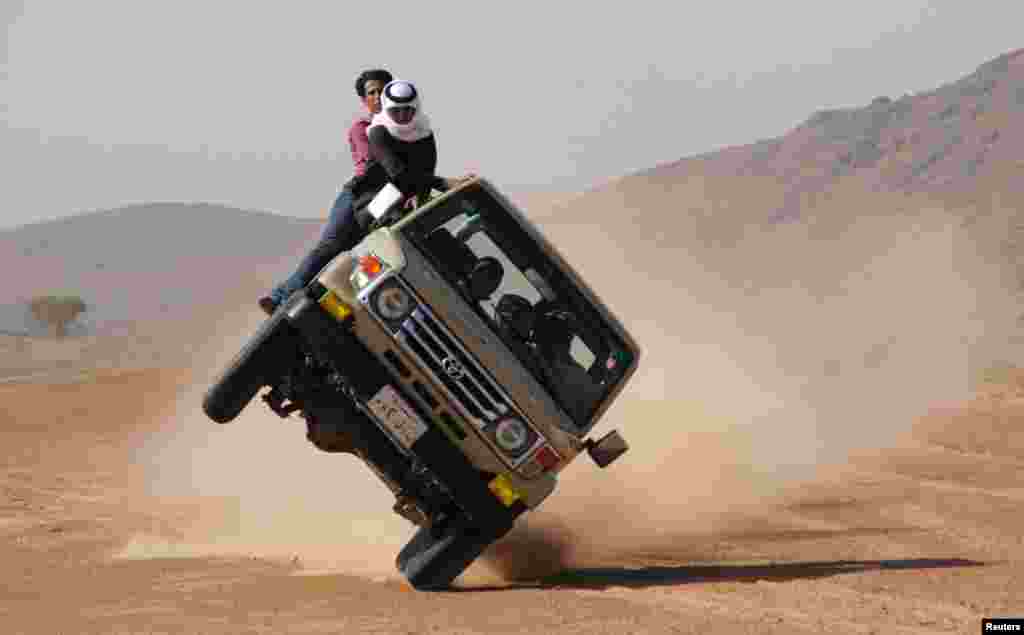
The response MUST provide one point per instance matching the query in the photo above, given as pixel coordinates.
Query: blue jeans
(340, 234)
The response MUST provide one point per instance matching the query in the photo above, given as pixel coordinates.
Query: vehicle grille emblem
(453, 368)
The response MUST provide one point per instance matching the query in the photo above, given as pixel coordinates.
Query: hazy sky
(247, 103)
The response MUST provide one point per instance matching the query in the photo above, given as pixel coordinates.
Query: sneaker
(268, 305)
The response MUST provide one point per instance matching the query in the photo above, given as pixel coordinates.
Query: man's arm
(359, 143)
(381, 151)
(406, 180)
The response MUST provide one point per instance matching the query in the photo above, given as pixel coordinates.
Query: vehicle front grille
(473, 389)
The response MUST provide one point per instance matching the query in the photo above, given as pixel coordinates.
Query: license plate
(396, 415)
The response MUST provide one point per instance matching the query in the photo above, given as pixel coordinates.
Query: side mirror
(607, 449)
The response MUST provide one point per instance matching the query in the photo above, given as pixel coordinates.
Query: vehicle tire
(258, 364)
(432, 561)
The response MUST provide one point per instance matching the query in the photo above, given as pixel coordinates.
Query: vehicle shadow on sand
(654, 576)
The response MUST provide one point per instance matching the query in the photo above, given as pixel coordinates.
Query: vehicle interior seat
(452, 254)
(485, 278)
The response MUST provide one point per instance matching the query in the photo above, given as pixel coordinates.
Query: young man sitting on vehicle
(339, 234)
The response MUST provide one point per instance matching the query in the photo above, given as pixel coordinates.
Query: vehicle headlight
(511, 435)
(393, 302)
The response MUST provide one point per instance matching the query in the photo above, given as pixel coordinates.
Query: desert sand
(826, 431)
(246, 536)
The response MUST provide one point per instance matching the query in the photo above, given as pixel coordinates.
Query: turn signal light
(503, 489)
(334, 305)
(370, 265)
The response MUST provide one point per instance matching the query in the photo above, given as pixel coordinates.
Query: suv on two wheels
(458, 355)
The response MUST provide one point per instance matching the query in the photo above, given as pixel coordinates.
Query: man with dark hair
(340, 232)
(369, 86)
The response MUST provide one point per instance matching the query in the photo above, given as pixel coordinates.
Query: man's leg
(336, 238)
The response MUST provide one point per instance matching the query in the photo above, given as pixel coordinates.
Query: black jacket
(408, 165)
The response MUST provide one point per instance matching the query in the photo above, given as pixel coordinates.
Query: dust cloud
(766, 360)
(763, 360)
(271, 493)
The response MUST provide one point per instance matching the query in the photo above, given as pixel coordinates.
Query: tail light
(546, 458)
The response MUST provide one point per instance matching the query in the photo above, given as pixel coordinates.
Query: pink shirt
(359, 143)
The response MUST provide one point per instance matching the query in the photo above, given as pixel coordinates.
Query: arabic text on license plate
(397, 416)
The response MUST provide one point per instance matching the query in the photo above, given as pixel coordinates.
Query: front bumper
(432, 453)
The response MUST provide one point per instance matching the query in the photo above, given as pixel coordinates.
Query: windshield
(528, 301)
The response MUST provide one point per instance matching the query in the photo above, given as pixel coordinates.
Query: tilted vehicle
(458, 355)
